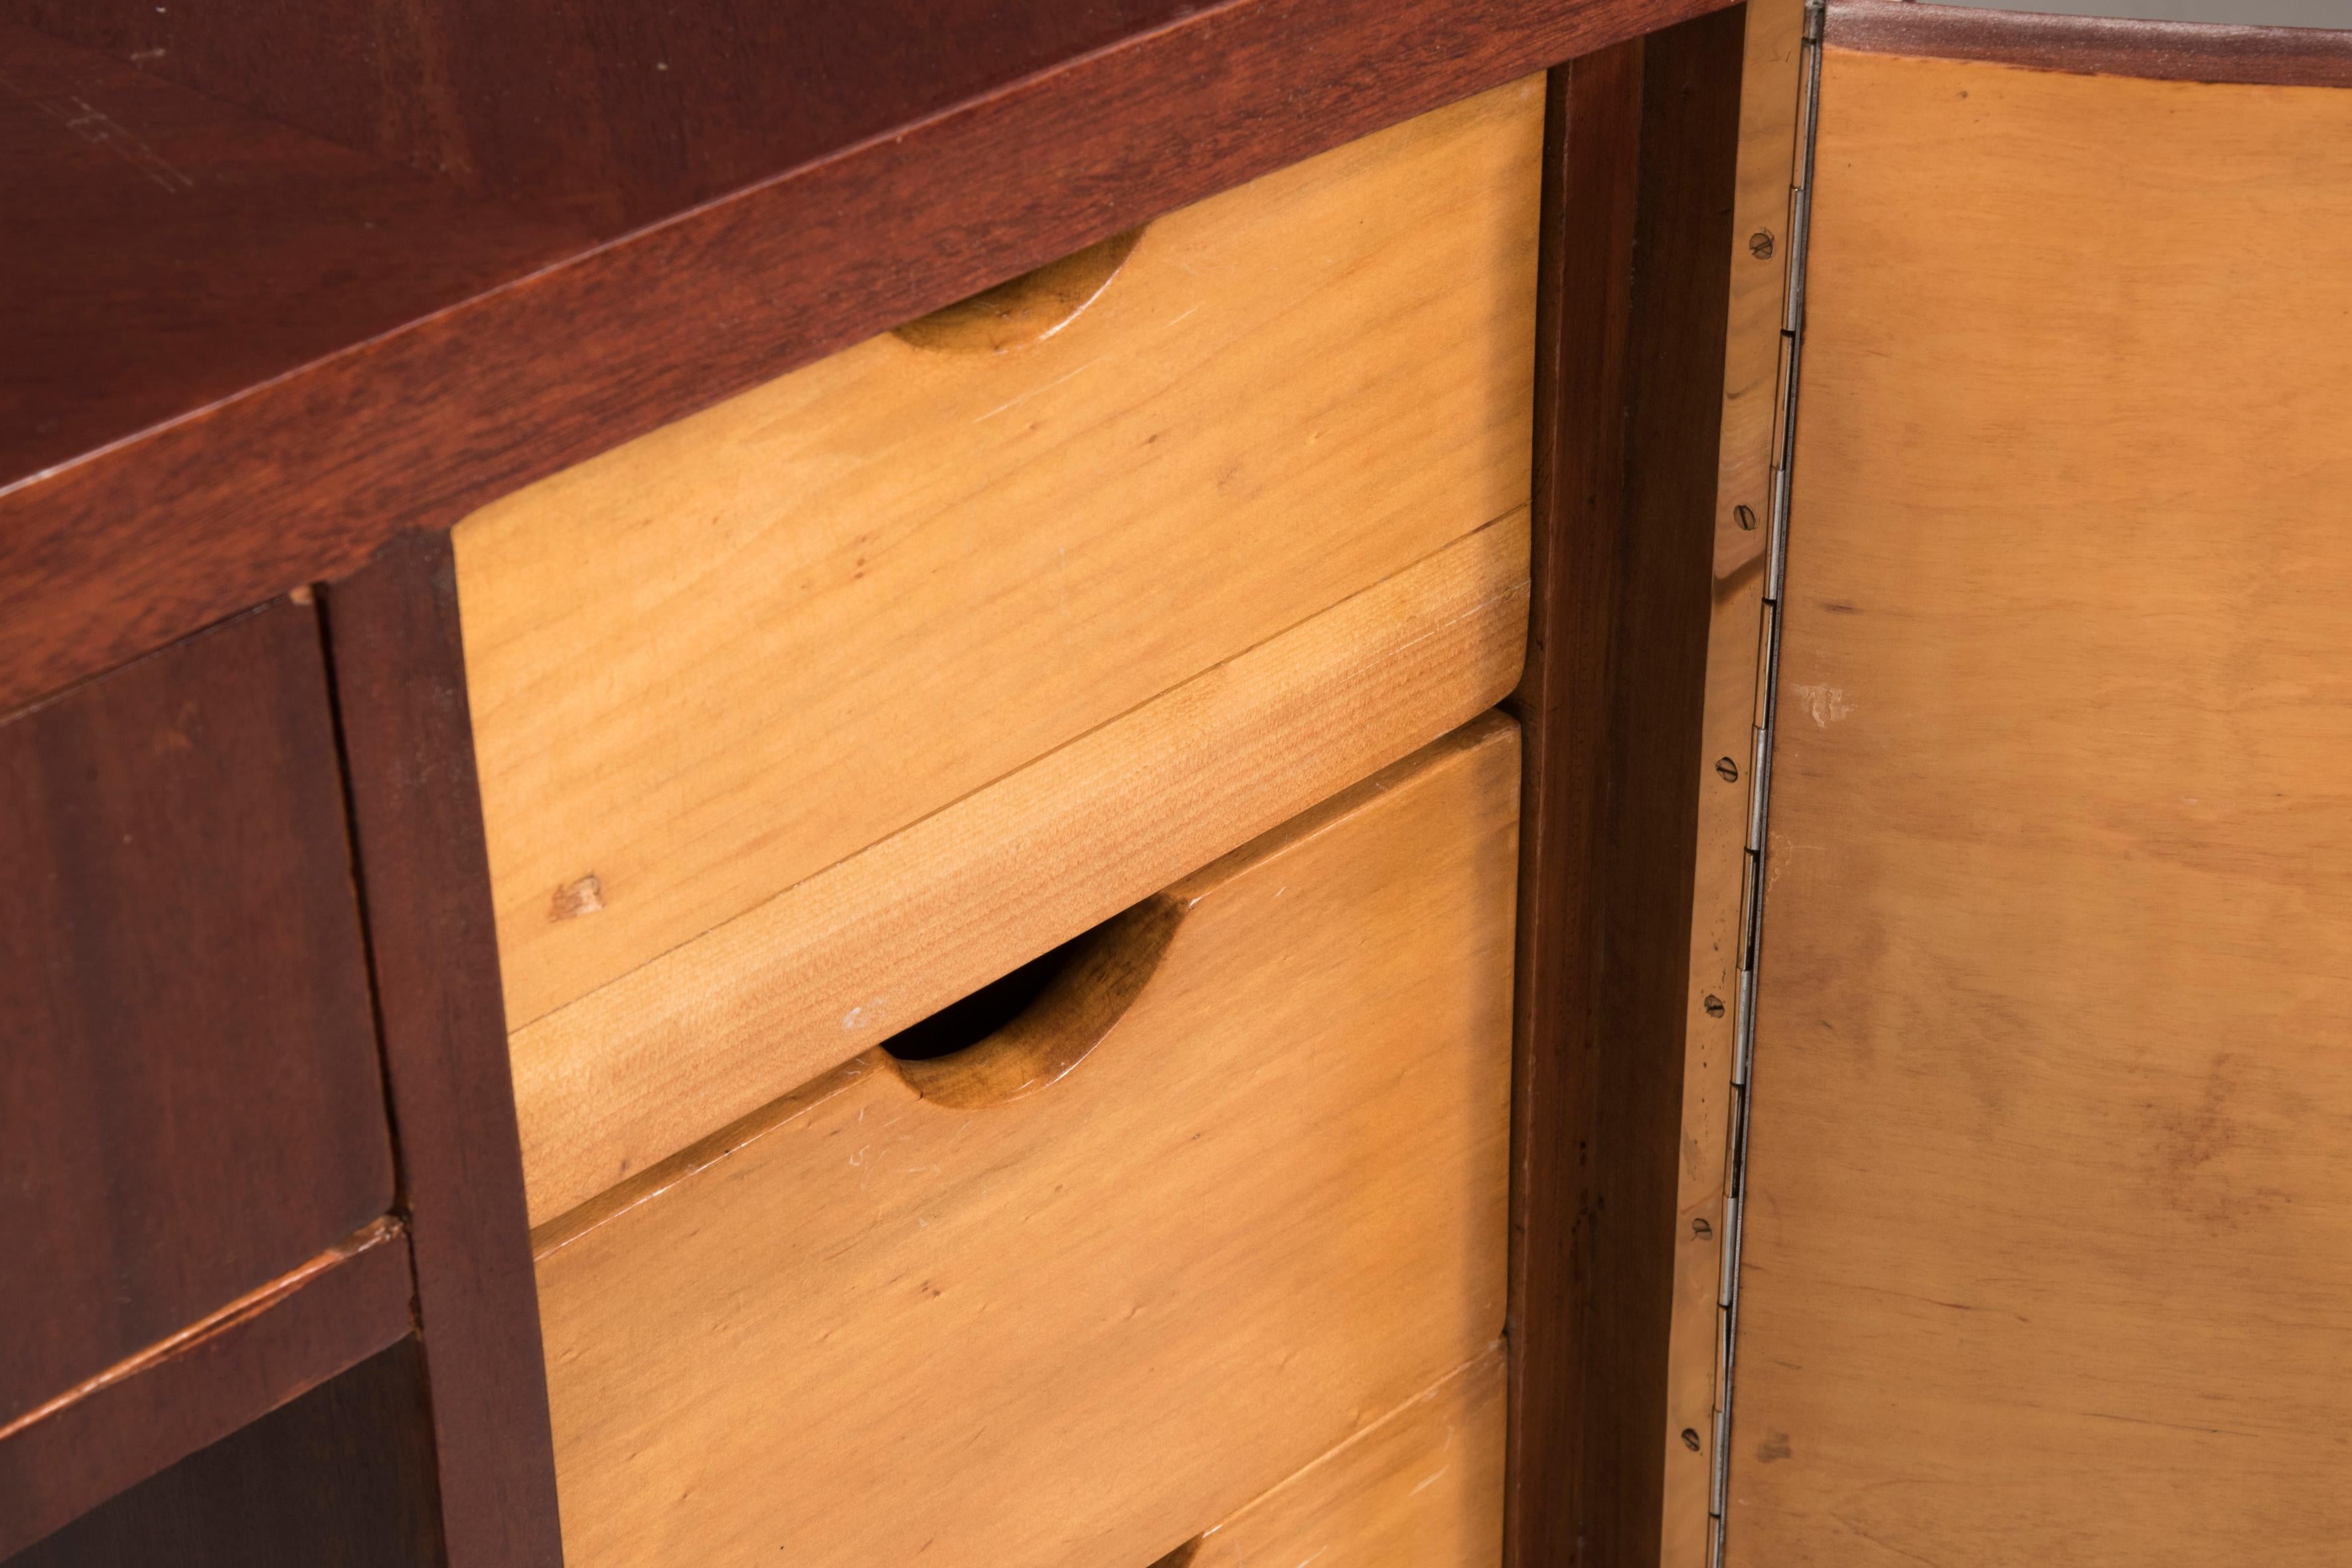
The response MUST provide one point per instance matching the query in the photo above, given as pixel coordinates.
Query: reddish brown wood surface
(620, 114)
(2104, 46)
(166, 251)
(191, 1102)
(59, 1462)
(425, 881)
(300, 478)
(1585, 276)
(341, 1477)
(1630, 369)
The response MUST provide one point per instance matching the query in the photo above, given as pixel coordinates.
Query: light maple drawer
(1232, 1187)
(800, 717)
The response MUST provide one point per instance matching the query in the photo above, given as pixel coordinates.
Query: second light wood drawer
(713, 667)
(1232, 1189)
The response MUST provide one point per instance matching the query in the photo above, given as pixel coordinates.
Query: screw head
(1701, 1230)
(1745, 516)
(1714, 1005)
(1727, 770)
(1759, 244)
(1690, 1439)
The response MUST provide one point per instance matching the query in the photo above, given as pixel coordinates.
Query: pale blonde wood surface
(709, 664)
(1759, 267)
(2050, 1238)
(863, 1328)
(1420, 1488)
(721, 1026)
(1767, 127)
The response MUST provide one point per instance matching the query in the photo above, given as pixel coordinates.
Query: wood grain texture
(717, 660)
(129, 1421)
(1630, 379)
(300, 478)
(721, 1026)
(1420, 1488)
(2106, 45)
(393, 635)
(1751, 382)
(190, 1097)
(149, 193)
(1590, 179)
(1271, 1205)
(611, 114)
(341, 1477)
(2051, 1252)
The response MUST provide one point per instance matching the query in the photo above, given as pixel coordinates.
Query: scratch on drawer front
(572, 899)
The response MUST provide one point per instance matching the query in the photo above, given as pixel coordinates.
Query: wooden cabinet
(1523, 782)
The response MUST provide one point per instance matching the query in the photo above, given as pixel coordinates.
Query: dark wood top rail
(220, 382)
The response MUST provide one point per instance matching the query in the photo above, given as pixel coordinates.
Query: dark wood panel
(1638, 194)
(166, 251)
(1585, 275)
(190, 1101)
(341, 1477)
(400, 677)
(619, 113)
(2104, 46)
(302, 478)
(1682, 288)
(70, 1456)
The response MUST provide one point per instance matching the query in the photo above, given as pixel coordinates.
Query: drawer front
(190, 1100)
(1009, 1309)
(1420, 1488)
(717, 662)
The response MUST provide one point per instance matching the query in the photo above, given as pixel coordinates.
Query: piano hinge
(1759, 776)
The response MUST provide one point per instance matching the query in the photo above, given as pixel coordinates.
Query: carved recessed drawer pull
(1025, 310)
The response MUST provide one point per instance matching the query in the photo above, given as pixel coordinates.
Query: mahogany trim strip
(425, 882)
(148, 1411)
(2097, 46)
(1640, 179)
(300, 478)
(1584, 281)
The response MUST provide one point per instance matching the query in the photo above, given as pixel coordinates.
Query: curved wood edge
(393, 640)
(1077, 1013)
(302, 478)
(1026, 309)
(2096, 45)
(151, 1410)
(1639, 187)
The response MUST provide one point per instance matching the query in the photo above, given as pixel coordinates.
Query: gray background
(2264, 12)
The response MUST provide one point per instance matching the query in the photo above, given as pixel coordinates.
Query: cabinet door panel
(190, 1097)
(2049, 1253)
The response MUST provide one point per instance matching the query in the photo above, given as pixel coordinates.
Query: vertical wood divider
(1641, 146)
(398, 663)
